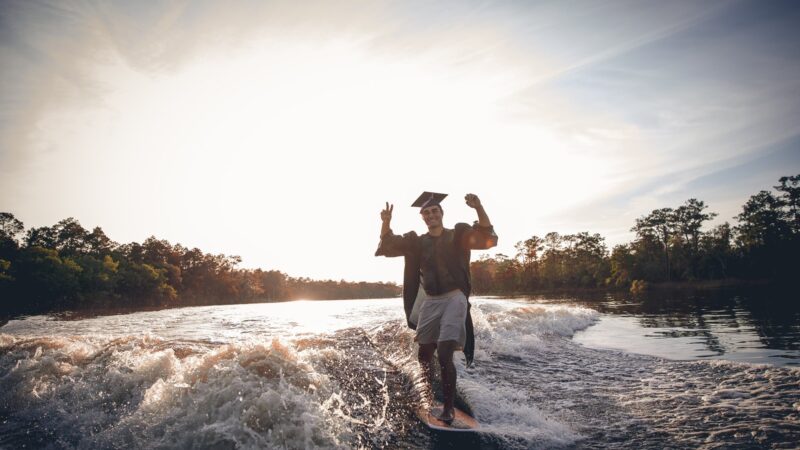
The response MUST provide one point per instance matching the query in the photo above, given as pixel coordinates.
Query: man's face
(432, 215)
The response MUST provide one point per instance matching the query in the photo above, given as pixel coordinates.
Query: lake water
(756, 325)
(714, 370)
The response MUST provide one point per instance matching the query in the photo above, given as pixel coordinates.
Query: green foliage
(143, 282)
(5, 277)
(660, 225)
(46, 278)
(98, 244)
(556, 260)
(639, 286)
(97, 276)
(622, 265)
(716, 252)
(10, 230)
(670, 244)
(789, 188)
(762, 222)
(307, 289)
(64, 267)
(10, 227)
(768, 236)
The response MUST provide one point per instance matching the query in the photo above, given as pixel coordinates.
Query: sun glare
(241, 134)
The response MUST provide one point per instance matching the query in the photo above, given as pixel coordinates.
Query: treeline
(65, 266)
(670, 245)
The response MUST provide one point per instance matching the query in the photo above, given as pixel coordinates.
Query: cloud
(50, 51)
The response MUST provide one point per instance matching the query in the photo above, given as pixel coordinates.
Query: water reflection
(753, 324)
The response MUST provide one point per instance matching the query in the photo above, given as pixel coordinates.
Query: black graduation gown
(410, 247)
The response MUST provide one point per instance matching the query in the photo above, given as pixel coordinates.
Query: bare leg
(425, 357)
(446, 350)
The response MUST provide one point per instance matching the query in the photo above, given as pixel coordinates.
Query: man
(439, 259)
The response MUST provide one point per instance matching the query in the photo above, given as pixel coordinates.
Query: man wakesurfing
(439, 260)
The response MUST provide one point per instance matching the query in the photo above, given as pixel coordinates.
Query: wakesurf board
(462, 421)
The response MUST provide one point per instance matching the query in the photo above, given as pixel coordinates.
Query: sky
(277, 131)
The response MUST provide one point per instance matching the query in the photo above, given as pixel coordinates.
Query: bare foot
(445, 416)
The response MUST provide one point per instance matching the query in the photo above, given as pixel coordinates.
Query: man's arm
(482, 235)
(390, 244)
(475, 203)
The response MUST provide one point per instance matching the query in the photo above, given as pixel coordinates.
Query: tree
(716, 251)
(589, 265)
(10, 227)
(689, 219)
(66, 236)
(622, 264)
(765, 238)
(789, 188)
(507, 273)
(6, 279)
(10, 230)
(482, 273)
(44, 237)
(762, 221)
(143, 282)
(661, 225)
(97, 277)
(273, 283)
(161, 254)
(552, 260)
(98, 244)
(71, 237)
(528, 252)
(45, 279)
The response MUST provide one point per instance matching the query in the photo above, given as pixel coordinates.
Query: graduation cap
(428, 199)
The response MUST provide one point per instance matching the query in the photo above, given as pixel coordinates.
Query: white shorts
(443, 318)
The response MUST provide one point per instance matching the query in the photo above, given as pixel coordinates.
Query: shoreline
(730, 283)
(600, 292)
(98, 311)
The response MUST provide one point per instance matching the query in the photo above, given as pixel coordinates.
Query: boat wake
(530, 387)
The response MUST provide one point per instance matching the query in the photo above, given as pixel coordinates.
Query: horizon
(252, 130)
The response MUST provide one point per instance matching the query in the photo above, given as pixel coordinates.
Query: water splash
(80, 384)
